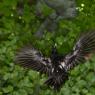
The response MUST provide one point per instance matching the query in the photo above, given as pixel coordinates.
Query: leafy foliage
(18, 24)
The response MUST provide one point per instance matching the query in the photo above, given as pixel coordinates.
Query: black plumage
(57, 67)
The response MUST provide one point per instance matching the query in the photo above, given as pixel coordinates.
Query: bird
(57, 67)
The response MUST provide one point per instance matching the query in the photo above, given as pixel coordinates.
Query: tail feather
(57, 81)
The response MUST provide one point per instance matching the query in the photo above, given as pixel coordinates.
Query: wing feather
(30, 58)
(83, 48)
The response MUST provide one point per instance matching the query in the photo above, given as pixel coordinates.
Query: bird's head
(54, 53)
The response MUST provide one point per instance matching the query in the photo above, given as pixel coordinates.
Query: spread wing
(31, 58)
(82, 51)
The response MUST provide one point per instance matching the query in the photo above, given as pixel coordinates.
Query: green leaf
(8, 89)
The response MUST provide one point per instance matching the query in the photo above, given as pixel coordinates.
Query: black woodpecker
(57, 67)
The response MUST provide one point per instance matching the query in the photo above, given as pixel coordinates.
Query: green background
(17, 26)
